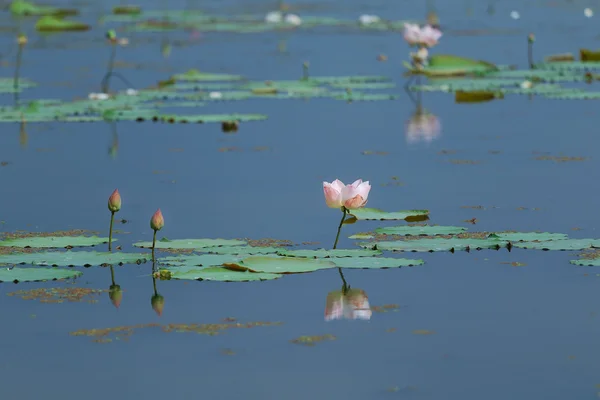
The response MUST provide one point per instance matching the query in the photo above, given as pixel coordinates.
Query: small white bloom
(131, 92)
(445, 88)
(274, 17)
(588, 12)
(215, 95)
(526, 85)
(98, 96)
(367, 19)
(515, 15)
(123, 41)
(293, 19)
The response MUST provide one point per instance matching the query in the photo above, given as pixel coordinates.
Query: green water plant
(114, 205)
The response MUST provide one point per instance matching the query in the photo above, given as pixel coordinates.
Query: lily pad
(26, 8)
(420, 230)
(587, 262)
(201, 260)
(376, 214)
(429, 245)
(51, 23)
(219, 274)
(322, 253)
(72, 258)
(28, 274)
(566, 244)
(243, 250)
(54, 241)
(528, 236)
(190, 243)
(197, 76)
(280, 265)
(376, 262)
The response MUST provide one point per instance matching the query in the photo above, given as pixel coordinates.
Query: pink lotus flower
(352, 196)
(114, 201)
(423, 126)
(425, 36)
(157, 221)
(352, 305)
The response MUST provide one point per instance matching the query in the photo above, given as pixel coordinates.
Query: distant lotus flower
(158, 304)
(350, 196)
(367, 19)
(425, 36)
(352, 305)
(123, 42)
(98, 96)
(131, 92)
(274, 17)
(157, 221)
(114, 201)
(293, 19)
(422, 126)
(215, 95)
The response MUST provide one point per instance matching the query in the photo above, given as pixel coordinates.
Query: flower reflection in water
(422, 126)
(347, 303)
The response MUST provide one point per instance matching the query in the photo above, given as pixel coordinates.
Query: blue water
(500, 331)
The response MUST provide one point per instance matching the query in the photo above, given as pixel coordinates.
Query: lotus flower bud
(115, 294)
(111, 35)
(21, 40)
(158, 303)
(157, 221)
(114, 201)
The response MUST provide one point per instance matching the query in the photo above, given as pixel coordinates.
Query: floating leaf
(476, 96)
(587, 55)
(219, 274)
(528, 236)
(243, 250)
(376, 214)
(322, 253)
(587, 262)
(376, 262)
(448, 65)
(280, 265)
(54, 241)
(26, 8)
(28, 274)
(59, 24)
(73, 258)
(190, 243)
(127, 10)
(201, 260)
(197, 76)
(427, 245)
(362, 236)
(418, 230)
(565, 244)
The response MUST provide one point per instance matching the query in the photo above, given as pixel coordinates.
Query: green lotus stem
(17, 70)
(530, 40)
(154, 278)
(345, 286)
(153, 246)
(112, 218)
(305, 70)
(112, 275)
(337, 237)
(109, 70)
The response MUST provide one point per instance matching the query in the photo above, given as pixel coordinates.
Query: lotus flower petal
(333, 193)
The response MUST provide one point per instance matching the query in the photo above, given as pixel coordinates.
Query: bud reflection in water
(347, 303)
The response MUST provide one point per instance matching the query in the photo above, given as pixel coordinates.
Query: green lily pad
(51, 23)
(376, 214)
(26, 8)
(429, 245)
(376, 262)
(200, 260)
(197, 76)
(219, 274)
(420, 230)
(566, 244)
(28, 274)
(449, 65)
(361, 236)
(528, 236)
(322, 253)
(72, 258)
(243, 250)
(587, 262)
(344, 80)
(54, 241)
(280, 265)
(190, 243)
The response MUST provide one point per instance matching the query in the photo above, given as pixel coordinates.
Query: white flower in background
(98, 96)
(588, 12)
(515, 15)
(131, 92)
(274, 17)
(123, 41)
(526, 85)
(215, 95)
(423, 126)
(367, 19)
(293, 19)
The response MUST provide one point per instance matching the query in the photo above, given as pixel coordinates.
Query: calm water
(500, 331)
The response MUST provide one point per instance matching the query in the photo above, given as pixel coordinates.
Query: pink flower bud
(157, 221)
(114, 201)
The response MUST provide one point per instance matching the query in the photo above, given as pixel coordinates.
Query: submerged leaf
(29, 274)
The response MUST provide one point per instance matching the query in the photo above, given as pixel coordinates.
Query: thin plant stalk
(109, 69)
(153, 246)
(154, 277)
(337, 237)
(112, 275)
(17, 71)
(345, 286)
(110, 230)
